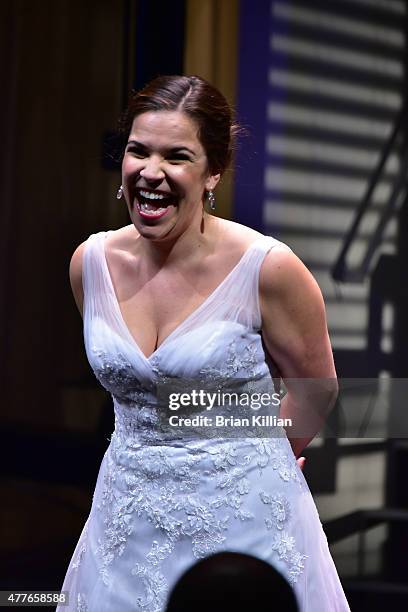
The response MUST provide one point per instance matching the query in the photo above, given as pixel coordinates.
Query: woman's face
(165, 174)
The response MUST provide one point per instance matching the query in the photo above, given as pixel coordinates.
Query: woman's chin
(154, 232)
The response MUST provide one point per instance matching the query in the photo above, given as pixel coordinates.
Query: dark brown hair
(199, 100)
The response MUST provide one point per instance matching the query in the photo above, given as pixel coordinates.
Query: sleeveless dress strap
(93, 275)
(237, 298)
(249, 285)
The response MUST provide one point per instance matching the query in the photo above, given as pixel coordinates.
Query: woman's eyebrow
(182, 148)
(171, 150)
(138, 144)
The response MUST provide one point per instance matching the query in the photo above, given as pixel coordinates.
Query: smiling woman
(165, 174)
(181, 297)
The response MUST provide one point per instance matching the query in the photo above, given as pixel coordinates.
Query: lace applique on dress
(230, 475)
(238, 363)
(117, 521)
(82, 550)
(81, 605)
(162, 491)
(155, 587)
(283, 543)
(166, 493)
(164, 499)
(117, 375)
(280, 510)
(271, 452)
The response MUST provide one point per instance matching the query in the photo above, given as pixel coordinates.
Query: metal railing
(342, 271)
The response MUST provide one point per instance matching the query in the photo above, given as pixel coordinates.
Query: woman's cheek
(129, 166)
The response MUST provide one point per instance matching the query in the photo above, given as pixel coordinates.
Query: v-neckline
(186, 319)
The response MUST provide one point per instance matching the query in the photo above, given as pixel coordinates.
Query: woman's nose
(152, 169)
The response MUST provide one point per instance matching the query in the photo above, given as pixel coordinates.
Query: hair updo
(202, 102)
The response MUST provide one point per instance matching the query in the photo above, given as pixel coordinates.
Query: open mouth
(154, 204)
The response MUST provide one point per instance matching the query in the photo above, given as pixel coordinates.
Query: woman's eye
(178, 158)
(136, 151)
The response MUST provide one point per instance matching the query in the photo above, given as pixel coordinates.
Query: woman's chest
(154, 312)
(154, 305)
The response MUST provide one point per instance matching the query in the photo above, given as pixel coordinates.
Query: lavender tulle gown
(167, 497)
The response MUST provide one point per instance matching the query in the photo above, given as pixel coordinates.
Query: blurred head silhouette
(231, 582)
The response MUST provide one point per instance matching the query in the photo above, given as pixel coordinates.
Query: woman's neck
(196, 241)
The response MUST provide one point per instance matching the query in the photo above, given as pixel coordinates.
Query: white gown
(166, 497)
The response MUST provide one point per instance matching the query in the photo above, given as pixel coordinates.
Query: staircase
(335, 191)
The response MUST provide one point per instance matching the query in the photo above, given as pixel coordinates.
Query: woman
(180, 295)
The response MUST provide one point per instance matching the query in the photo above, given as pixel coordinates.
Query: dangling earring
(119, 193)
(211, 199)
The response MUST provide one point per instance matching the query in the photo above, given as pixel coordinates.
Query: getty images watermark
(240, 402)
(346, 408)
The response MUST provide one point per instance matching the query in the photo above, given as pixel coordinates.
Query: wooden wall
(61, 68)
(60, 71)
(211, 52)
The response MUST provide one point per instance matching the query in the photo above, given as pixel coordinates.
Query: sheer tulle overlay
(164, 497)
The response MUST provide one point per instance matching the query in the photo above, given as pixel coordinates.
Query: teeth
(146, 209)
(152, 196)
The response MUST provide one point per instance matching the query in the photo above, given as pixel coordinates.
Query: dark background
(66, 68)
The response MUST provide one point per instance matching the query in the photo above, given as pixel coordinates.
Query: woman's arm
(75, 276)
(295, 333)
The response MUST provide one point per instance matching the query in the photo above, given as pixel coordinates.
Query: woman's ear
(212, 182)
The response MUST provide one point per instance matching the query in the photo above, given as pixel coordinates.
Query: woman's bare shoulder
(75, 275)
(117, 240)
(281, 269)
(238, 236)
(121, 241)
